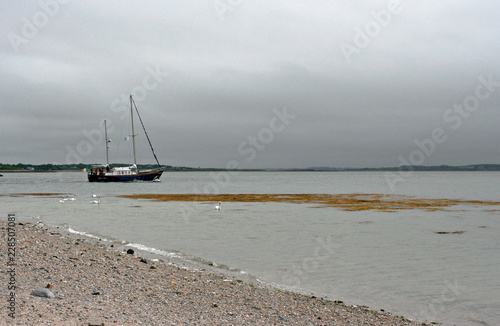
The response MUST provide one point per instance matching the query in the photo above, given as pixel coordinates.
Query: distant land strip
(168, 168)
(347, 202)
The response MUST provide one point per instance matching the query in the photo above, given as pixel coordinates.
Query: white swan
(93, 194)
(217, 207)
(64, 199)
(96, 201)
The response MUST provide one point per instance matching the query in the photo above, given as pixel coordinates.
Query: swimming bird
(93, 194)
(96, 201)
(217, 207)
(72, 198)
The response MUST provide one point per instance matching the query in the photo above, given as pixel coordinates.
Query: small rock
(130, 251)
(95, 323)
(43, 293)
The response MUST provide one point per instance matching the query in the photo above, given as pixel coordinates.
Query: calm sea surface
(389, 260)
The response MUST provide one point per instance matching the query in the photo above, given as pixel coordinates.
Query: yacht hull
(141, 176)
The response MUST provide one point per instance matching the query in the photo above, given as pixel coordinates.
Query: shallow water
(389, 260)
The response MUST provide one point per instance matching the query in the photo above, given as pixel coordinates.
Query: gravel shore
(97, 284)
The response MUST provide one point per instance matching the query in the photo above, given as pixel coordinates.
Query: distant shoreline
(434, 168)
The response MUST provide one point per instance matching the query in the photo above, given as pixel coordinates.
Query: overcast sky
(258, 84)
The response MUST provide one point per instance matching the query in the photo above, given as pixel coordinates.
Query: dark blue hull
(141, 176)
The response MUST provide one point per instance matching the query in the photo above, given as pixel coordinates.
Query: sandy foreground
(95, 283)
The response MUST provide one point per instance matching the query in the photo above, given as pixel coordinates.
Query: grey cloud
(219, 78)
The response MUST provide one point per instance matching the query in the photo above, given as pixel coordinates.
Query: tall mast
(133, 133)
(107, 142)
(146, 133)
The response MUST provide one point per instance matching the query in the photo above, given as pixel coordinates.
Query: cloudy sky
(260, 84)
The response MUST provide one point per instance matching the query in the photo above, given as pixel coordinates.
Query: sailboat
(104, 173)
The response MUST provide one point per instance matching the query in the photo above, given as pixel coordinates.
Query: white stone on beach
(43, 293)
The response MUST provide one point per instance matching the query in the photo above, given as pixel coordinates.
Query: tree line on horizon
(65, 167)
(81, 166)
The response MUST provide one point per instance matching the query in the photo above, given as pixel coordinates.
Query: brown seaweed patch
(347, 202)
(38, 194)
(454, 232)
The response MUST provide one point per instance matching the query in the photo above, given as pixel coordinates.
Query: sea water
(385, 260)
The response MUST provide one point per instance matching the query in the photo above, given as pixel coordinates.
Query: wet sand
(95, 283)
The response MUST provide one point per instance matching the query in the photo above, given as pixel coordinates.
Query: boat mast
(133, 133)
(146, 133)
(107, 142)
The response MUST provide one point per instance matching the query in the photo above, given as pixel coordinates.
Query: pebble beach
(97, 283)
